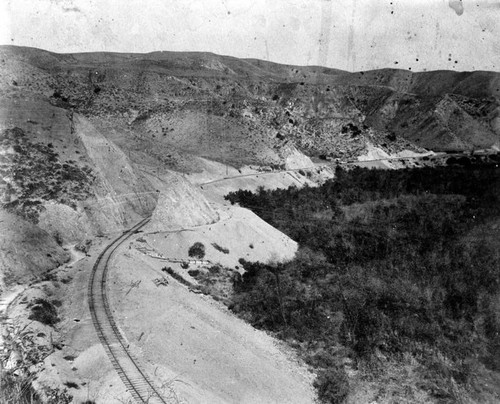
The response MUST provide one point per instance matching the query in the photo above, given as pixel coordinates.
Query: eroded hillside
(89, 139)
(92, 143)
(244, 111)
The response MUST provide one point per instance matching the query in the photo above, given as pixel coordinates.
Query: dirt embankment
(180, 206)
(26, 251)
(61, 172)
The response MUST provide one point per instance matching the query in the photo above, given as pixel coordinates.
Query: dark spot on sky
(229, 13)
(396, 63)
(416, 59)
(457, 6)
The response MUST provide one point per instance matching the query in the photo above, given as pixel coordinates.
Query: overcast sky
(346, 34)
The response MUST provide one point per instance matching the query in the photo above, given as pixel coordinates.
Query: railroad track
(129, 369)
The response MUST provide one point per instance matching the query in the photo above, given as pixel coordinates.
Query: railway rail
(127, 366)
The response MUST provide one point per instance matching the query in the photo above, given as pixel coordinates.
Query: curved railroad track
(128, 367)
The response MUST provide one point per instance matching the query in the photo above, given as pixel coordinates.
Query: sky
(352, 35)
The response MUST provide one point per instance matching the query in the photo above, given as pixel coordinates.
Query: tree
(197, 250)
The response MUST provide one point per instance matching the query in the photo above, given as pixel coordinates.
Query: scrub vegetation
(31, 174)
(396, 270)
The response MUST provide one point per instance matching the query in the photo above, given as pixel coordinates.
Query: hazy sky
(345, 34)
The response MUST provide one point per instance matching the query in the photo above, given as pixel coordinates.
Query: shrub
(59, 238)
(84, 246)
(56, 395)
(398, 264)
(214, 269)
(44, 312)
(194, 272)
(176, 276)
(219, 248)
(197, 250)
(332, 385)
(17, 389)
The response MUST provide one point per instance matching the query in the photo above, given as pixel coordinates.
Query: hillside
(243, 111)
(92, 143)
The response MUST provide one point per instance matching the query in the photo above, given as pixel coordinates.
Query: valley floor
(192, 346)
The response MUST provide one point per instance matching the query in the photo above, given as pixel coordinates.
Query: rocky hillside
(181, 206)
(244, 111)
(89, 142)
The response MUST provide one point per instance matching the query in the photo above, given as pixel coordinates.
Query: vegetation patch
(16, 381)
(32, 174)
(84, 246)
(218, 282)
(197, 250)
(395, 269)
(176, 276)
(44, 312)
(219, 248)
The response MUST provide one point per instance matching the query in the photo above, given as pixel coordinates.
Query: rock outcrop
(181, 206)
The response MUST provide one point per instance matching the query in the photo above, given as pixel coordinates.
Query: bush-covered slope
(32, 173)
(396, 269)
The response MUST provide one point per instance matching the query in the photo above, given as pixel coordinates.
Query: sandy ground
(240, 231)
(206, 353)
(189, 344)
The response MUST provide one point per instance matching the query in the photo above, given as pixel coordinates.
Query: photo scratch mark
(324, 39)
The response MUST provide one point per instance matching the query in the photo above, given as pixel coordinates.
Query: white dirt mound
(181, 206)
(295, 159)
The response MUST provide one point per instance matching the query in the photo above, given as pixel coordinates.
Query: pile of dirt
(294, 159)
(181, 206)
